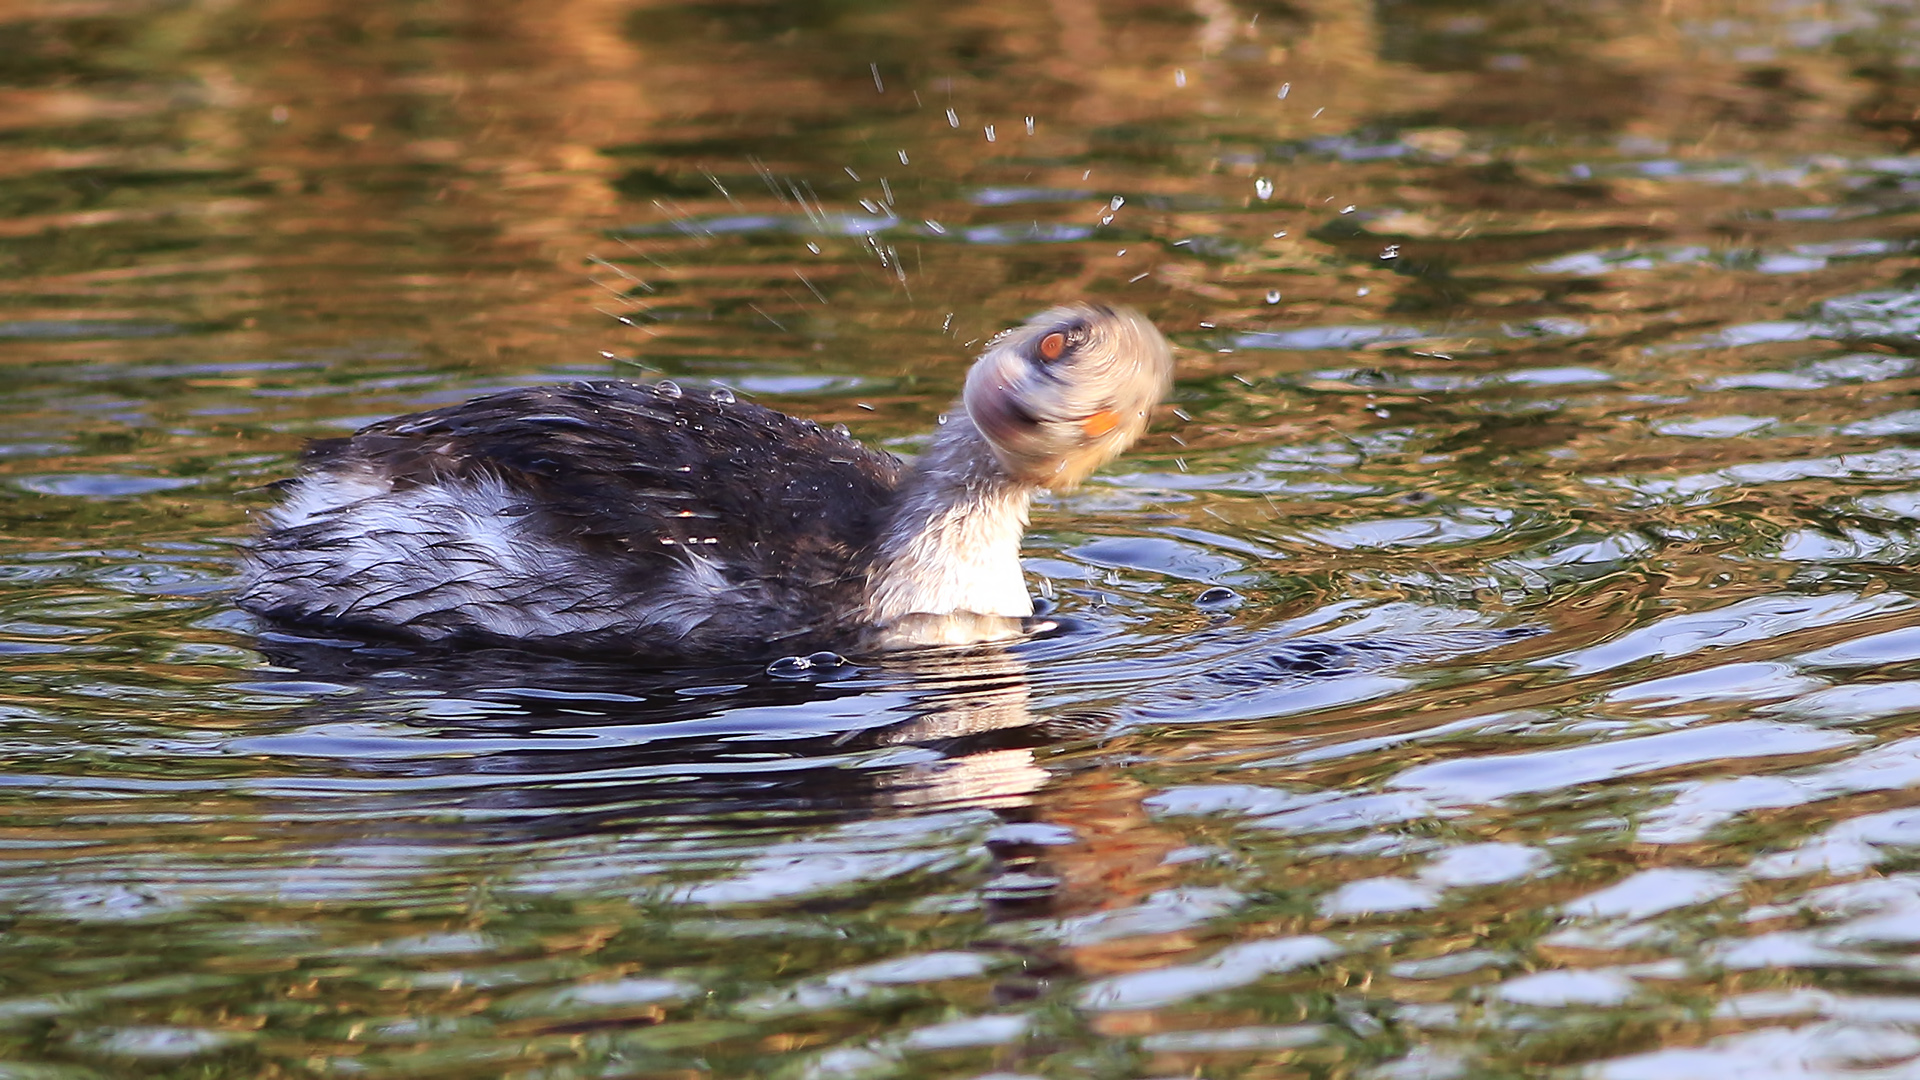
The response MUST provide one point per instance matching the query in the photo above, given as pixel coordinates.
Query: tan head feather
(1068, 391)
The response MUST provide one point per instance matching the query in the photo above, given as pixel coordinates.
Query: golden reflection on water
(1587, 319)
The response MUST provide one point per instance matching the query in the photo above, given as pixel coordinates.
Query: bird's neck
(951, 548)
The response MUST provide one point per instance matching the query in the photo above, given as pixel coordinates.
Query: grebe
(614, 517)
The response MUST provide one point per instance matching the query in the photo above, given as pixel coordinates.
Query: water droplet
(953, 119)
(1278, 235)
(842, 430)
(722, 395)
(1179, 76)
(990, 133)
(938, 229)
(1285, 89)
(1263, 187)
(1348, 209)
(1217, 598)
(667, 388)
(1392, 252)
(1273, 296)
(942, 422)
(790, 667)
(1116, 202)
(903, 157)
(1381, 413)
(801, 667)
(1029, 125)
(1363, 291)
(850, 172)
(813, 247)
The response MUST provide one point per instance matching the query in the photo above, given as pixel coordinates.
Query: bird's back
(599, 515)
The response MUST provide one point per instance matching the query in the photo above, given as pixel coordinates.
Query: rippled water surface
(1502, 657)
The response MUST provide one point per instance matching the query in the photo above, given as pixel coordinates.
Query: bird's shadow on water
(531, 744)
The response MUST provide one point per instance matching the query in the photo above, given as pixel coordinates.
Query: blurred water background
(1501, 659)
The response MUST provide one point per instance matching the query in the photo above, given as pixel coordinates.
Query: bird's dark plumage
(612, 490)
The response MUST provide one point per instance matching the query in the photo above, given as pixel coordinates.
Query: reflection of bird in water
(607, 516)
(489, 736)
(927, 727)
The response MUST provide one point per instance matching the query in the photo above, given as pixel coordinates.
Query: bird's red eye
(1053, 345)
